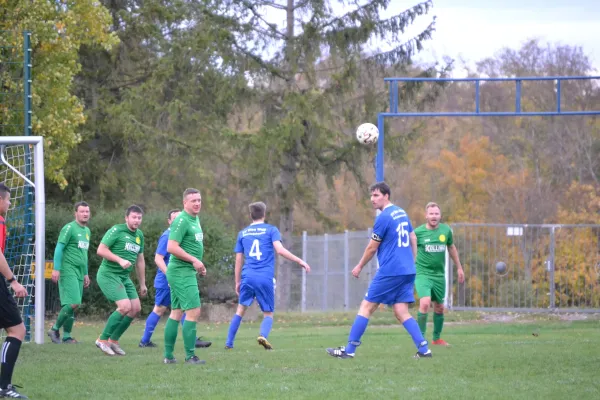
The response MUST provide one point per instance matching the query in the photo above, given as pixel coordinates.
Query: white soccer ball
(367, 133)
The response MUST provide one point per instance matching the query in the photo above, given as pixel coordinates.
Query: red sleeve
(2, 234)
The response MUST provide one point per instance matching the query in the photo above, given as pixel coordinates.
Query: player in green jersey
(433, 239)
(71, 270)
(186, 247)
(121, 247)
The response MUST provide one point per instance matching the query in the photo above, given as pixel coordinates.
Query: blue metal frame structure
(393, 90)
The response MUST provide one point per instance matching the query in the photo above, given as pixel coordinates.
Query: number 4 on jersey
(402, 234)
(255, 250)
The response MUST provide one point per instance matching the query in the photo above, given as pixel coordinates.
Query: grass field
(489, 359)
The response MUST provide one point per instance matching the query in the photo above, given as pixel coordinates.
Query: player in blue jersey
(255, 249)
(162, 299)
(393, 283)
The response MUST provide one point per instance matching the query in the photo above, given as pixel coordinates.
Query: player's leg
(423, 285)
(246, 298)
(234, 325)
(113, 289)
(161, 302)
(265, 296)
(366, 309)
(134, 309)
(438, 293)
(404, 294)
(10, 320)
(190, 303)
(68, 294)
(172, 325)
(68, 325)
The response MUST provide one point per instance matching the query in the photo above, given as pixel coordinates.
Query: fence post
(346, 271)
(551, 268)
(325, 271)
(304, 246)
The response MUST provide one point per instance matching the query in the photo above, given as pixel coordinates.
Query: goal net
(22, 170)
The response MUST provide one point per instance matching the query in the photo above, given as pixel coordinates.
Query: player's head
(380, 195)
(172, 214)
(82, 212)
(4, 198)
(133, 217)
(433, 214)
(258, 211)
(192, 201)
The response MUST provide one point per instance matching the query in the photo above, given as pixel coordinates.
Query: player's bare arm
(175, 249)
(453, 252)
(159, 260)
(282, 251)
(140, 269)
(413, 244)
(239, 262)
(104, 252)
(19, 290)
(367, 256)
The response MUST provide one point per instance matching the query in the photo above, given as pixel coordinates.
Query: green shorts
(184, 292)
(70, 289)
(116, 287)
(430, 286)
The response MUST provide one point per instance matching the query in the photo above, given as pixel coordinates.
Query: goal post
(22, 170)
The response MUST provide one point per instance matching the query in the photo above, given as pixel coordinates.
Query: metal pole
(551, 268)
(40, 241)
(27, 83)
(304, 245)
(346, 271)
(325, 271)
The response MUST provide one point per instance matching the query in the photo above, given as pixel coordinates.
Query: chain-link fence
(540, 267)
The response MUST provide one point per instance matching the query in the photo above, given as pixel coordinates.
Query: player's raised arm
(282, 251)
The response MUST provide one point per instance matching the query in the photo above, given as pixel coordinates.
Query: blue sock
(233, 328)
(358, 329)
(182, 319)
(265, 326)
(412, 328)
(151, 323)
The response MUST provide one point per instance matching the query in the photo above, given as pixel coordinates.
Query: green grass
(487, 361)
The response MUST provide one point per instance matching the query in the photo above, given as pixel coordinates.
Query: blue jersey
(160, 281)
(256, 242)
(392, 228)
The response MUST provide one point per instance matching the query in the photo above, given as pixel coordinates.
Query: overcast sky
(473, 30)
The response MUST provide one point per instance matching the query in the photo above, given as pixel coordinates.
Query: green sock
(189, 338)
(171, 329)
(68, 324)
(121, 328)
(113, 321)
(65, 312)
(422, 320)
(438, 324)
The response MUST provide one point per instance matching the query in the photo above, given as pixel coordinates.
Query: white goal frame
(40, 222)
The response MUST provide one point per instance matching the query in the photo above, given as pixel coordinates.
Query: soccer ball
(367, 134)
(500, 267)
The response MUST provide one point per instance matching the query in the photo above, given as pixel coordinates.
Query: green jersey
(125, 243)
(186, 231)
(76, 239)
(431, 253)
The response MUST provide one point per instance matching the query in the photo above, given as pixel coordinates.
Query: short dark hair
(189, 191)
(134, 209)
(171, 212)
(257, 210)
(80, 204)
(383, 188)
(4, 190)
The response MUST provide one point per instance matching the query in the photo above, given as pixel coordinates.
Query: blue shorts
(260, 288)
(163, 297)
(391, 290)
